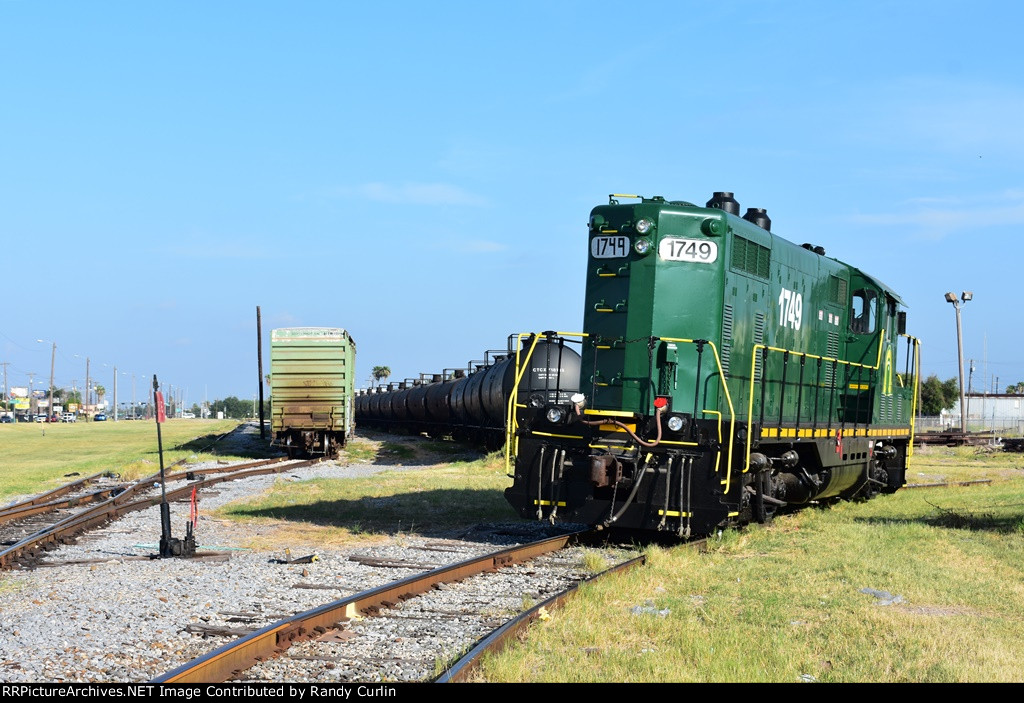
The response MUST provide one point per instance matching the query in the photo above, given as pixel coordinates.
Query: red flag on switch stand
(161, 414)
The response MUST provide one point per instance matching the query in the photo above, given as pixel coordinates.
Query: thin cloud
(411, 194)
(936, 218)
(478, 246)
(228, 249)
(954, 116)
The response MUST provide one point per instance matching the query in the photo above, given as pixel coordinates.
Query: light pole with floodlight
(951, 298)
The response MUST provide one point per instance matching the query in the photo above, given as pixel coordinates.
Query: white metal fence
(1007, 427)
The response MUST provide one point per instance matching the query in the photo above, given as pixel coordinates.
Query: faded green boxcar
(727, 373)
(312, 377)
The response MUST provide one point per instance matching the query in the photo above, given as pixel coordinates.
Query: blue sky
(421, 173)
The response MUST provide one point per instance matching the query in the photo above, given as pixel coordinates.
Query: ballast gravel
(122, 617)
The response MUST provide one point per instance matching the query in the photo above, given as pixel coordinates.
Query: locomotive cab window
(862, 311)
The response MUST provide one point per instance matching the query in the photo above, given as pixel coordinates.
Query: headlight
(675, 423)
(642, 246)
(644, 226)
(555, 415)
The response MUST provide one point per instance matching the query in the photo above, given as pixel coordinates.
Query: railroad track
(379, 634)
(945, 484)
(85, 490)
(38, 525)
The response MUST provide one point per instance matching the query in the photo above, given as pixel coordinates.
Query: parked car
(40, 418)
(68, 417)
(6, 418)
(100, 417)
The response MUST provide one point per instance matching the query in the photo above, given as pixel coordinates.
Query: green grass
(432, 498)
(781, 604)
(37, 457)
(785, 604)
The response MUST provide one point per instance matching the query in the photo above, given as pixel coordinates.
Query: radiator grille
(758, 339)
(726, 338)
(750, 257)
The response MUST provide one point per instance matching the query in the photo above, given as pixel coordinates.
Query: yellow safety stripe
(615, 428)
(860, 432)
(609, 413)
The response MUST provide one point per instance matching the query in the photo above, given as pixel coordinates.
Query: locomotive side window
(862, 312)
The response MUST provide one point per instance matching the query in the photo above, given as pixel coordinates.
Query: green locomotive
(726, 374)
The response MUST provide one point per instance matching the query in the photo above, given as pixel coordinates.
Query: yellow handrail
(510, 415)
(917, 389)
(511, 426)
(728, 399)
(753, 366)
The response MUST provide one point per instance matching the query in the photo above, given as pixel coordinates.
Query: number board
(700, 251)
(604, 247)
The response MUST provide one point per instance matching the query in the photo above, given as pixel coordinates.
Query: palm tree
(100, 392)
(381, 373)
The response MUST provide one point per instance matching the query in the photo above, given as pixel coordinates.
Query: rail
(118, 505)
(227, 661)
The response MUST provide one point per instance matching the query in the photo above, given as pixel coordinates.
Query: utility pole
(259, 363)
(970, 385)
(31, 392)
(53, 358)
(7, 400)
(115, 394)
(86, 406)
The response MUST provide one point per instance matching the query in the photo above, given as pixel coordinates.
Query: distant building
(1001, 412)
